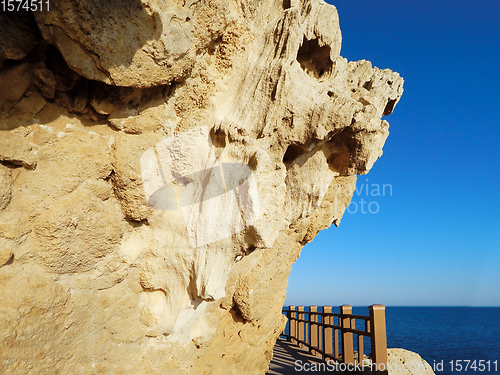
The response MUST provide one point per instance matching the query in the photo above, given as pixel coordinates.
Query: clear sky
(436, 239)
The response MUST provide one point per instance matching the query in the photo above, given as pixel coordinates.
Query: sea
(453, 340)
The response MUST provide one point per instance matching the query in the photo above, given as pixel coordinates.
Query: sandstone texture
(405, 362)
(162, 164)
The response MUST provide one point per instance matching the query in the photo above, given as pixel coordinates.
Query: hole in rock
(293, 152)
(252, 237)
(339, 160)
(368, 85)
(273, 93)
(10, 164)
(252, 162)
(314, 59)
(287, 4)
(389, 107)
(136, 222)
(218, 137)
(212, 47)
(236, 314)
(364, 101)
(338, 151)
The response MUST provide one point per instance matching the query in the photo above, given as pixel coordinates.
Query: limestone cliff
(162, 163)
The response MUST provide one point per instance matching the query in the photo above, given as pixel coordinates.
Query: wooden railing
(331, 334)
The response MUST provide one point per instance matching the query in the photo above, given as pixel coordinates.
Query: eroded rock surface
(162, 163)
(405, 362)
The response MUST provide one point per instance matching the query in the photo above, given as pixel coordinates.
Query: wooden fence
(331, 334)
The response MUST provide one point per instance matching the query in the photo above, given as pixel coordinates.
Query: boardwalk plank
(285, 355)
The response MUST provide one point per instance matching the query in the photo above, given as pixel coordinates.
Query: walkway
(285, 355)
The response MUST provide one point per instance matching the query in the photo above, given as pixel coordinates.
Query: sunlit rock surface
(404, 362)
(162, 163)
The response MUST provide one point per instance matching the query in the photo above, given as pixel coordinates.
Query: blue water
(446, 334)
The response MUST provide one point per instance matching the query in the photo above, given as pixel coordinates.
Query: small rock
(17, 78)
(45, 80)
(17, 150)
(5, 257)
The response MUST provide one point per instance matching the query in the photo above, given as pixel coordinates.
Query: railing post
(314, 329)
(347, 345)
(292, 330)
(379, 338)
(288, 314)
(327, 332)
(320, 332)
(336, 353)
(361, 350)
(307, 328)
(301, 325)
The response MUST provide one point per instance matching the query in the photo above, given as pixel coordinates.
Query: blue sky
(436, 239)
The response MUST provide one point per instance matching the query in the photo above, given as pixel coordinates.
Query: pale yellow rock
(154, 225)
(138, 44)
(17, 150)
(405, 362)
(5, 256)
(5, 186)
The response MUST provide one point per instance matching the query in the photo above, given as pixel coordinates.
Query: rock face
(404, 362)
(162, 163)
